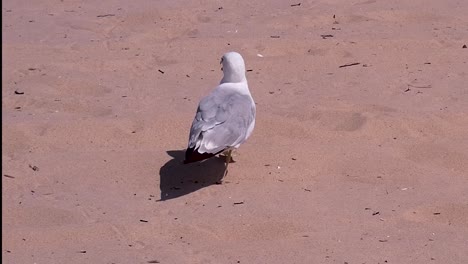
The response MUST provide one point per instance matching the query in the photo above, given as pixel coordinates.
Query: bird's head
(233, 68)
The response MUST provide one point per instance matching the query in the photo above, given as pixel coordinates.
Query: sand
(357, 164)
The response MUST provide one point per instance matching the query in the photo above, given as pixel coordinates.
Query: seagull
(225, 118)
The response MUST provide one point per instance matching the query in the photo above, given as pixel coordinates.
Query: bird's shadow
(178, 179)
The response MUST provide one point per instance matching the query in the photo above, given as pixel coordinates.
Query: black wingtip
(192, 155)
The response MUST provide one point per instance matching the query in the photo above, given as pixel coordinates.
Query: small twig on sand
(423, 86)
(106, 15)
(326, 36)
(350, 64)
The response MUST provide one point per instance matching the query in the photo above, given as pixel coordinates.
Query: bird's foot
(231, 160)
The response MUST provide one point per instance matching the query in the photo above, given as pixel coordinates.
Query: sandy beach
(359, 154)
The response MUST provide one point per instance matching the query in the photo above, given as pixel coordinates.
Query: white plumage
(226, 117)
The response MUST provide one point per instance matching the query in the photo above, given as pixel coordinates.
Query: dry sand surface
(360, 164)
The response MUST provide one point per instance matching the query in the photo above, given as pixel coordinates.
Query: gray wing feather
(221, 121)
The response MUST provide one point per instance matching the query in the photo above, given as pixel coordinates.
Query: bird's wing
(221, 121)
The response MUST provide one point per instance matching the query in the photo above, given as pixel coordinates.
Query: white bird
(226, 117)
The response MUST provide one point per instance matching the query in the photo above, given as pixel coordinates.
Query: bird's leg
(231, 160)
(229, 156)
(225, 154)
(228, 160)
